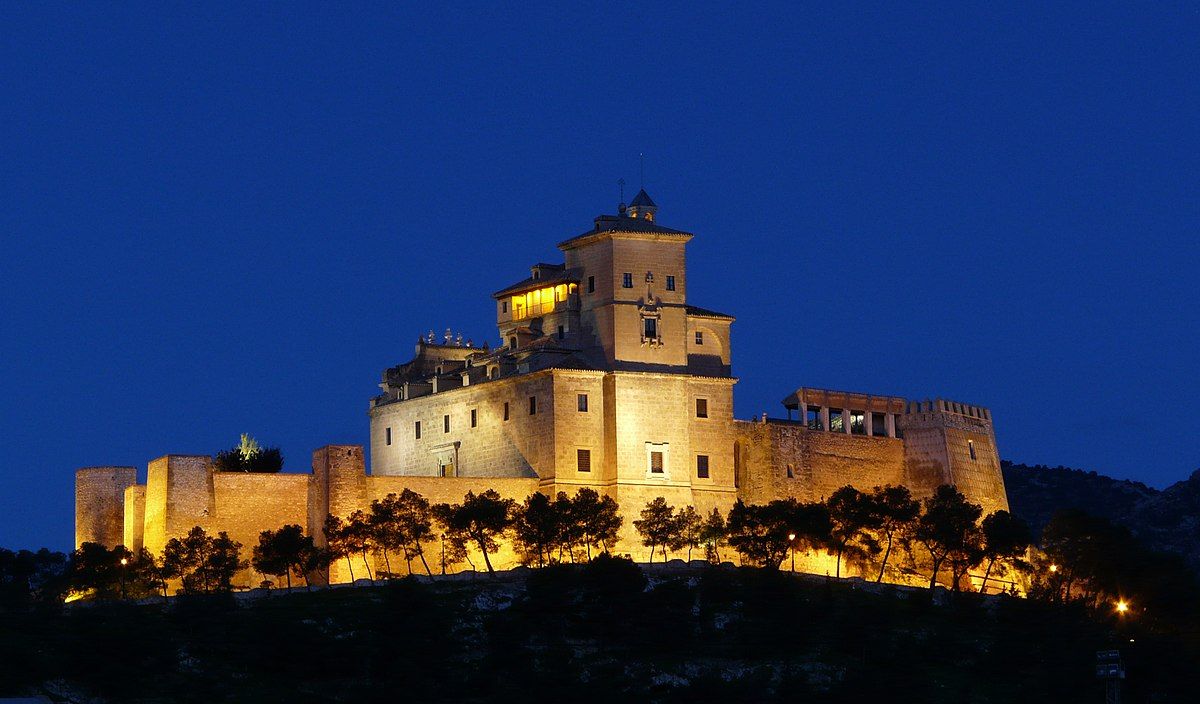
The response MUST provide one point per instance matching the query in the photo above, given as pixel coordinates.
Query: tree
(570, 531)
(762, 533)
(338, 542)
(687, 530)
(247, 456)
(359, 536)
(895, 510)
(1005, 538)
(482, 519)
(284, 552)
(713, 535)
(414, 521)
(454, 538)
(114, 573)
(536, 529)
(948, 531)
(27, 575)
(850, 515)
(657, 526)
(383, 523)
(599, 521)
(204, 563)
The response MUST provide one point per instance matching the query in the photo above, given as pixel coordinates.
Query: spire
(643, 206)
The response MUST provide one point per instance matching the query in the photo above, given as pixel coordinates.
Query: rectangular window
(561, 332)
(971, 448)
(627, 280)
(814, 418)
(879, 425)
(506, 410)
(532, 405)
(702, 466)
(650, 328)
(656, 462)
(896, 423)
(388, 436)
(583, 460)
(418, 429)
(504, 306)
(701, 408)
(591, 284)
(581, 402)
(699, 337)
(858, 423)
(835, 421)
(670, 283)
(473, 418)
(445, 424)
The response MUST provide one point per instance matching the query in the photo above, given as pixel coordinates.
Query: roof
(621, 223)
(561, 277)
(706, 313)
(642, 199)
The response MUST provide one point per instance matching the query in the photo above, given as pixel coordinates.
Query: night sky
(215, 224)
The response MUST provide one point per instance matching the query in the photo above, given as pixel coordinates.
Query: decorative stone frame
(665, 449)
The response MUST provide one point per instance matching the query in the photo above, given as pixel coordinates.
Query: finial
(642, 171)
(448, 336)
(429, 339)
(458, 340)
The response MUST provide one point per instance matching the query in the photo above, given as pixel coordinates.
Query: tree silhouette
(536, 529)
(598, 519)
(204, 563)
(657, 526)
(713, 535)
(414, 521)
(895, 511)
(383, 522)
(948, 531)
(850, 515)
(482, 519)
(687, 530)
(284, 552)
(338, 543)
(360, 538)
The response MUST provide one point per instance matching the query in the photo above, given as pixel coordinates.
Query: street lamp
(792, 547)
(124, 564)
(1122, 606)
(1053, 568)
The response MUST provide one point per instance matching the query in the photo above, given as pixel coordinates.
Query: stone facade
(605, 377)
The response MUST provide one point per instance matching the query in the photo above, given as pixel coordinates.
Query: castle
(607, 378)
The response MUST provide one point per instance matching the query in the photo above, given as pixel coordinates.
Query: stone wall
(246, 504)
(135, 517)
(179, 496)
(100, 504)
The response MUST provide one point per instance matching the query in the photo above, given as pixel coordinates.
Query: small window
(858, 423)
(417, 426)
(791, 472)
(581, 402)
(835, 421)
(670, 283)
(656, 462)
(591, 284)
(702, 466)
(879, 425)
(562, 332)
(971, 448)
(512, 343)
(445, 424)
(504, 306)
(627, 280)
(506, 410)
(701, 408)
(532, 405)
(387, 435)
(813, 421)
(583, 460)
(896, 425)
(474, 418)
(650, 328)
(699, 337)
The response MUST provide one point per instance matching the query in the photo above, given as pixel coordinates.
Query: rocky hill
(1167, 520)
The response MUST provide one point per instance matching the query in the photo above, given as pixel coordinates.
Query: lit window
(701, 408)
(650, 328)
(670, 283)
(702, 466)
(835, 421)
(418, 429)
(627, 280)
(591, 284)
(656, 462)
(858, 423)
(473, 417)
(506, 410)
(699, 337)
(532, 405)
(971, 448)
(388, 436)
(583, 459)
(445, 424)
(581, 402)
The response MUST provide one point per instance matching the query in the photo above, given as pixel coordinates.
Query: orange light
(1053, 568)
(1122, 607)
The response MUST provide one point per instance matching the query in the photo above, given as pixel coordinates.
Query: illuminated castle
(607, 378)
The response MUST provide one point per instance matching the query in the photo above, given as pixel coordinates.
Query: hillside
(1167, 520)
(604, 632)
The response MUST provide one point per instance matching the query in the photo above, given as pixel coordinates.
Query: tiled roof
(706, 313)
(562, 277)
(642, 199)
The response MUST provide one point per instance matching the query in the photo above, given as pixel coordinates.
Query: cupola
(642, 207)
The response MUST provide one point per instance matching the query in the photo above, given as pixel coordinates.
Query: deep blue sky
(218, 223)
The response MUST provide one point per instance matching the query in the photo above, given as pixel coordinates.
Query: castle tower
(179, 496)
(947, 442)
(100, 504)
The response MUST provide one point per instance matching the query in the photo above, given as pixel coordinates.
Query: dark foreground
(599, 633)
